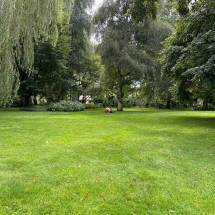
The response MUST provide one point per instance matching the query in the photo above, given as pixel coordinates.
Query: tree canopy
(140, 9)
(46, 50)
(84, 63)
(127, 50)
(23, 23)
(49, 77)
(189, 55)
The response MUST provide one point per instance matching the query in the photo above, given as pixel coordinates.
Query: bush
(101, 100)
(134, 102)
(90, 106)
(66, 106)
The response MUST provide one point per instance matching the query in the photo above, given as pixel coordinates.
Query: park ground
(139, 161)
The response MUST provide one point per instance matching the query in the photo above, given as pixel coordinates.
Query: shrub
(90, 106)
(134, 102)
(66, 106)
(98, 100)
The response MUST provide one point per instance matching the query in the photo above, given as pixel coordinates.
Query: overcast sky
(97, 3)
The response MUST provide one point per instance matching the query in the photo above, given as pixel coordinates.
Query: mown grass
(140, 161)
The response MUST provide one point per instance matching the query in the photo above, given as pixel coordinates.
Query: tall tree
(22, 24)
(149, 38)
(50, 77)
(127, 49)
(189, 55)
(81, 58)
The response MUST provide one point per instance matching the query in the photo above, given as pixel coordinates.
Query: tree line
(160, 52)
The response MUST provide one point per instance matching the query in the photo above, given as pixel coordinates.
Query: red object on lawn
(107, 110)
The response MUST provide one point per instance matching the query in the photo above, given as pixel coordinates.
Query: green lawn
(140, 161)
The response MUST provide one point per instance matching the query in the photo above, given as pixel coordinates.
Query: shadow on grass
(142, 110)
(196, 121)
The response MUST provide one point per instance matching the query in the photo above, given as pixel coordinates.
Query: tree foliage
(50, 76)
(84, 63)
(22, 24)
(127, 50)
(167, 12)
(189, 54)
(140, 9)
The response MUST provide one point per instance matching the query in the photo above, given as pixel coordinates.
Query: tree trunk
(26, 101)
(168, 100)
(205, 105)
(35, 100)
(119, 91)
(168, 104)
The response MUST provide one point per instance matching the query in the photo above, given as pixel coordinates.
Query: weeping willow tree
(23, 23)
